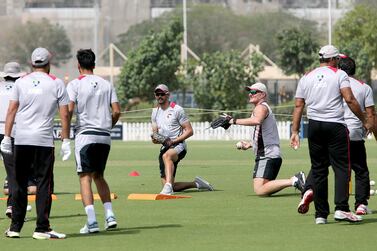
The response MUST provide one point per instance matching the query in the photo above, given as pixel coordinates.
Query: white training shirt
(364, 95)
(169, 121)
(93, 97)
(6, 89)
(265, 137)
(321, 90)
(39, 95)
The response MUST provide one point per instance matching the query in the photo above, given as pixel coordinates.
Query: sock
(89, 210)
(108, 209)
(294, 180)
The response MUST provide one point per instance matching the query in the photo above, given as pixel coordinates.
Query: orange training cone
(134, 173)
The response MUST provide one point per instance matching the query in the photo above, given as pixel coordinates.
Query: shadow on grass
(57, 217)
(278, 195)
(118, 231)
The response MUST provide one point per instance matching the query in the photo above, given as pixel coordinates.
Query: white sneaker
(203, 184)
(48, 235)
(167, 189)
(110, 223)
(320, 220)
(363, 210)
(340, 215)
(12, 234)
(90, 228)
(303, 206)
(28, 208)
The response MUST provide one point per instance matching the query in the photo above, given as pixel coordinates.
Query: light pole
(329, 21)
(185, 32)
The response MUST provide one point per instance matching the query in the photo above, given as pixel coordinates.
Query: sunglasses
(160, 94)
(253, 92)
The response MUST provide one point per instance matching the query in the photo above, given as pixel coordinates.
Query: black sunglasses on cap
(160, 94)
(253, 92)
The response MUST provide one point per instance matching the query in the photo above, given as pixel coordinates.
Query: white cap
(40, 57)
(12, 69)
(257, 86)
(328, 51)
(162, 88)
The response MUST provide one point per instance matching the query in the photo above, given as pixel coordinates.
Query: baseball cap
(162, 88)
(328, 51)
(40, 57)
(12, 69)
(257, 86)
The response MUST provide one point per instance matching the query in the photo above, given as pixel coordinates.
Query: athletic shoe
(90, 228)
(340, 215)
(320, 220)
(48, 235)
(167, 189)
(110, 223)
(12, 234)
(29, 208)
(8, 212)
(303, 206)
(363, 210)
(203, 184)
(300, 181)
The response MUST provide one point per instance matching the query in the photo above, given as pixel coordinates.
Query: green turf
(231, 218)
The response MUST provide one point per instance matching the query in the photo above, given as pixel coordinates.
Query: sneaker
(29, 208)
(48, 235)
(110, 223)
(303, 206)
(90, 228)
(203, 184)
(363, 210)
(12, 234)
(340, 215)
(300, 182)
(8, 212)
(167, 189)
(320, 220)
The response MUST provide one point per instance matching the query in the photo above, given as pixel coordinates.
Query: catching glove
(222, 121)
(6, 145)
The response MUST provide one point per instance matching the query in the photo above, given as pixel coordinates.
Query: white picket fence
(142, 132)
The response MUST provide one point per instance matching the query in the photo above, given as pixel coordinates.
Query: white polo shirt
(93, 97)
(6, 89)
(364, 95)
(39, 95)
(321, 90)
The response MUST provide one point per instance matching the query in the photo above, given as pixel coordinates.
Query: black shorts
(267, 168)
(181, 155)
(93, 158)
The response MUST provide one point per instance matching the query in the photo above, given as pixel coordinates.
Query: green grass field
(230, 218)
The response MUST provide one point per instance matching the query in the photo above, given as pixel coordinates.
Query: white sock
(89, 210)
(294, 180)
(108, 209)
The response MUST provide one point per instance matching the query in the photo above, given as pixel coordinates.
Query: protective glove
(6, 145)
(65, 150)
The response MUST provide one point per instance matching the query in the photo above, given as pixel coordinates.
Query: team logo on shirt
(94, 84)
(36, 83)
(8, 87)
(320, 77)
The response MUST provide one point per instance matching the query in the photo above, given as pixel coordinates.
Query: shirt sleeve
(300, 91)
(15, 91)
(181, 116)
(344, 80)
(368, 96)
(62, 95)
(114, 98)
(72, 92)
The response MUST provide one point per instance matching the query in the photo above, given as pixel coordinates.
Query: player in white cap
(35, 99)
(322, 91)
(170, 120)
(265, 143)
(95, 103)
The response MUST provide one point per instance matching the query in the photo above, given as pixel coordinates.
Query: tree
(221, 83)
(154, 62)
(213, 28)
(296, 50)
(24, 38)
(355, 35)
